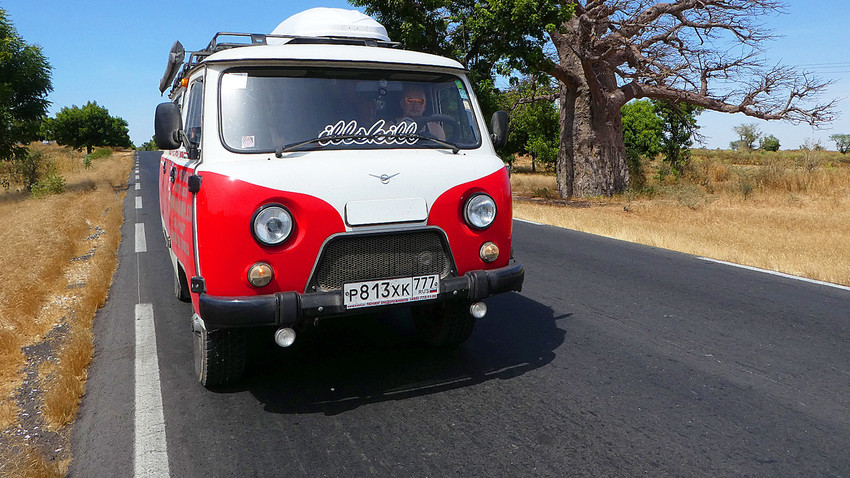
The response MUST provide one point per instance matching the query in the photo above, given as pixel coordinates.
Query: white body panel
(341, 177)
(348, 175)
(315, 54)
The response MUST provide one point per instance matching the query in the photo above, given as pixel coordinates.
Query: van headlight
(480, 211)
(272, 224)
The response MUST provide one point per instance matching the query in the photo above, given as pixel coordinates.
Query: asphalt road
(615, 360)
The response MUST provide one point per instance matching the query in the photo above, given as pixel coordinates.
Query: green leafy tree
(769, 143)
(90, 126)
(45, 130)
(534, 122)
(24, 85)
(678, 132)
(842, 142)
(748, 134)
(149, 145)
(606, 53)
(487, 37)
(642, 130)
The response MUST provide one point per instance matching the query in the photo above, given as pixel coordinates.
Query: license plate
(390, 291)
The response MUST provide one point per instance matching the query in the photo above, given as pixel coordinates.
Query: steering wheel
(438, 118)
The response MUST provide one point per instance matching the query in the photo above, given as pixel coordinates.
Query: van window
(265, 109)
(193, 117)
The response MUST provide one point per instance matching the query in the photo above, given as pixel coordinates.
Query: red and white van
(321, 171)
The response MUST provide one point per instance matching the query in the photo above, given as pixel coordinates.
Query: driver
(413, 101)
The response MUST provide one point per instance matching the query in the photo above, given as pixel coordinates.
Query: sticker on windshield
(379, 133)
(461, 90)
(247, 142)
(234, 81)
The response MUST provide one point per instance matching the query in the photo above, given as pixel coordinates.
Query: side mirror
(499, 128)
(167, 125)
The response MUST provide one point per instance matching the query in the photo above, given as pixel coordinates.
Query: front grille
(381, 256)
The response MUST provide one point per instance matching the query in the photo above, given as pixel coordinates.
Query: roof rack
(256, 39)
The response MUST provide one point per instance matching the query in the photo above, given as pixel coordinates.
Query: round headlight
(272, 225)
(480, 211)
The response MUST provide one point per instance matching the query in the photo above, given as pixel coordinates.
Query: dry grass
(773, 211)
(58, 258)
(30, 463)
(534, 185)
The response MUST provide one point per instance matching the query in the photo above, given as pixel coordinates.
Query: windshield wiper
(294, 146)
(446, 144)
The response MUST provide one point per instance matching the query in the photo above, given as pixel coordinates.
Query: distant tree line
(749, 134)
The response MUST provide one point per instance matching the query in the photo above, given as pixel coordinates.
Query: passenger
(413, 102)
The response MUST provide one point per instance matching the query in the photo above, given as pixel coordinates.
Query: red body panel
(176, 207)
(465, 242)
(227, 247)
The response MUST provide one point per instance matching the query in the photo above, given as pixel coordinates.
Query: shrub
(772, 175)
(101, 153)
(53, 183)
(691, 196)
(545, 193)
(26, 168)
(769, 143)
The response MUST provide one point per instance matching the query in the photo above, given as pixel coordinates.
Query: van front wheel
(443, 325)
(219, 355)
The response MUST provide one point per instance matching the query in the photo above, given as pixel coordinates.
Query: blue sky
(114, 52)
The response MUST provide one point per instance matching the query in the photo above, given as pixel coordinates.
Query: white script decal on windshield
(379, 133)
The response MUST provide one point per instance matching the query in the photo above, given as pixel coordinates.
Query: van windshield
(272, 109)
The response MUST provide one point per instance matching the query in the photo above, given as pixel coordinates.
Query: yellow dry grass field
(58, 259)
(787, 211)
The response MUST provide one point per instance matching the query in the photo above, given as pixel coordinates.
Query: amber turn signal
(260, 274)
(489, 252)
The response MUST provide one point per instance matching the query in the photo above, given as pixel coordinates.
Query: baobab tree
(605, 53)
(701, 52)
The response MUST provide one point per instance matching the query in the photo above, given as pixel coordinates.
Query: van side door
(177, 171)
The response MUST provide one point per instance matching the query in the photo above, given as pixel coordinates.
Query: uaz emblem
(385, 178)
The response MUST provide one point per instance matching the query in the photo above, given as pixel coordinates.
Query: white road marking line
(151, 452)
(775, 273)
(138, 202)
(137, 177)
(141, 243)
(528, 222)
(138, 186)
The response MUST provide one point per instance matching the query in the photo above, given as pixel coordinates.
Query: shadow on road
(345, 363)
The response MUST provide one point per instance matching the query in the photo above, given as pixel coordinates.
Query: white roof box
(332, 22)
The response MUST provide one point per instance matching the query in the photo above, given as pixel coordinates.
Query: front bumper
(288, 309)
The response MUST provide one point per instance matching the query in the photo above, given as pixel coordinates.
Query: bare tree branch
(704, 52)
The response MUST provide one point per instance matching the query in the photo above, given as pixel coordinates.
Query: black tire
(443, 325)
(181, 286)
(219, 356)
